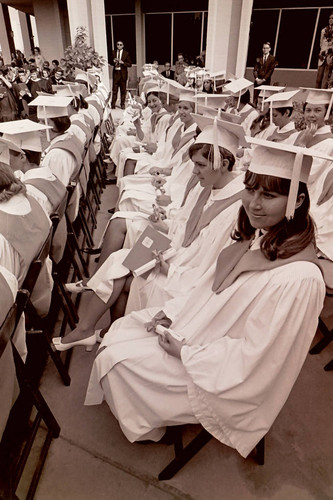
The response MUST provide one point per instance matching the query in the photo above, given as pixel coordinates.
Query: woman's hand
(159, 319)
(161, 265)
(305, 136)
(150, 147)
(170, 344)
(136, 149)
(158, 181)
(163, 199)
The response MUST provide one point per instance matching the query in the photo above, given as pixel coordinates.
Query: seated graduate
(148, 137)
(246, 332)
(24, 142)
(240, 93)
(24, 227)
(197, 240)
(282, 108)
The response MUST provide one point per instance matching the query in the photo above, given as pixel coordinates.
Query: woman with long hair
(240, 337)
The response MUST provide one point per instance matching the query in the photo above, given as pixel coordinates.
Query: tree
(80, 55)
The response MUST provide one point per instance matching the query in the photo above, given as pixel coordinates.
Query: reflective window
(158, 37)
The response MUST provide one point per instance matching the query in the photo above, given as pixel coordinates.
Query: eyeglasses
(120, 44)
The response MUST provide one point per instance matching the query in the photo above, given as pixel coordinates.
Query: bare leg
(90, 315)
(129, 167)
(113, 239)
(119, 307)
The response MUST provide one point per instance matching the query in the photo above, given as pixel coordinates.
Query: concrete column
(79, 13)
(243, 40)
(5, 48)
(99, 39)
(227, 35)
(25, 33)
(139, 37)
(16, 28)
(49, 28)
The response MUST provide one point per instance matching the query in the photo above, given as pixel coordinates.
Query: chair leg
(185, 455)
(260, 456)
(327, 338)
(329, 366)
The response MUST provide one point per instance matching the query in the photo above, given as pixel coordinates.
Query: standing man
(263, 69)
(121, 61)
(168, 72)
(325, 61)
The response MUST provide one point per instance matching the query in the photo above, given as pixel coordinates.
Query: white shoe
(88, 342)
(77, 287)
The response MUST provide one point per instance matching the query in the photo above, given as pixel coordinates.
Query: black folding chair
(327, 268)
(184, 454)
(31, 397)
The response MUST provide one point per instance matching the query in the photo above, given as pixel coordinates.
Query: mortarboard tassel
(294, 183)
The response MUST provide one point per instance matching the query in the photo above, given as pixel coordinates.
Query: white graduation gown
(192, 262)
(243, 351)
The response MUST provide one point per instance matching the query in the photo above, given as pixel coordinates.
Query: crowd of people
(217, 327)
(23, 80)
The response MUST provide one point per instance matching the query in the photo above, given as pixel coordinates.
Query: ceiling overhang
(22, 5)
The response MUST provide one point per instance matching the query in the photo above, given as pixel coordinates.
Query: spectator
(180, 66)
(325, 60)
(263, 69)
(39, 59)
(168, 72)
(120, 60)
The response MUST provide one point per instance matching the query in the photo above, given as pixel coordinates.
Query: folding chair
(34, 399)
(184, 454)
(327, 268)
(36, 325)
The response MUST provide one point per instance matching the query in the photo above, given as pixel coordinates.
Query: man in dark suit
(121, 60)
(263, 68)
(168, 72)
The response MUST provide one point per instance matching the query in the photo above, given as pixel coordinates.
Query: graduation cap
(84, 76)
(212, 100)
(319, 96)
(187, 95)
(285, 161)
(5, 146)
(51, 106)
(266, 91)
(217, 75)
(70, 89)
(219, 133)
(281, 100)
(24, 134)
(238, 87)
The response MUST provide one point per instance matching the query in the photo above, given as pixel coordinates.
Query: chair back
(37, 264)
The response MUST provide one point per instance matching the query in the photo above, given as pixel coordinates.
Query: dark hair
(152, 93)
(33, 157)
(59, 70)
(283, 110)
(287, 237)
(9, 184)
(55, 61)
(61, 124)
(267, 43)
(48, 71)
(245, 98)
(37, 48)
(207, 151)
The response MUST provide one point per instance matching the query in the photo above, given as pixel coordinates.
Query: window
(295, 38)
(121, 28)
(187, 35)
(158, 37)
(263, 29)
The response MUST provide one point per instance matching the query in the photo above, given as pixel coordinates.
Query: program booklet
(141, 256)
